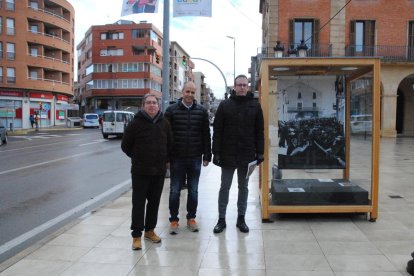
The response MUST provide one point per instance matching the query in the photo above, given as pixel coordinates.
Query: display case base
(317, 192)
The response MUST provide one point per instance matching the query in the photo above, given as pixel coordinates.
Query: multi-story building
(351, 29)
(181, 70)
(201, 89)
(117, 64)
(36, 61)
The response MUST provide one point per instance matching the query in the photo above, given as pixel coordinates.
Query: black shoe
(241, 224)
(221, 224)
(410, 267)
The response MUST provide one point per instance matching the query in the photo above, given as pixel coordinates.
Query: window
(112, 52)
(299, 95)
(34, 5)
(362, 37)
(304, 29)
(1, 23)
(10, 29)
(299, 105)
(11, 75)
(1, 74)
(314, 95)
(1, 50)
(114, 36)
(33, 51)
(11, 53)
(411, 40)
(33, 74)
(139, 33)
(34, 28)
(10, 5)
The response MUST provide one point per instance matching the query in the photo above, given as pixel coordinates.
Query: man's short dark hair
(239, 77)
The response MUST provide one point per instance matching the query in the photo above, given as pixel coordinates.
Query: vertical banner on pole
(139, 6)
(192, 8)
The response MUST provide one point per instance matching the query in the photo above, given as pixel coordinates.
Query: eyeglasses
(242, 85)
(151, 102)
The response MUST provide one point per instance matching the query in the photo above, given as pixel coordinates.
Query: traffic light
(184, 61)
(157, 58)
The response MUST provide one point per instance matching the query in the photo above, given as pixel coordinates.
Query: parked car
(90, 120)
(3, 134)
(361, 123)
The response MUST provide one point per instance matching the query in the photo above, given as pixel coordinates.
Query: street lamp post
(234, 55)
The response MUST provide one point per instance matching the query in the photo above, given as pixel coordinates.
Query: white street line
(43, 163)
(95, 142)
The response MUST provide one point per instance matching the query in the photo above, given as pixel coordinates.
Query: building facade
(181, 70)
(117, 65)
(345, 28)
(36, 61)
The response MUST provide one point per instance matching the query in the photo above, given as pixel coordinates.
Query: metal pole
(234, 59)
(166, 57)
(234, 55)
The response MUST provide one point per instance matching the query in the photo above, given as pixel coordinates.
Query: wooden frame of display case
(322, 66)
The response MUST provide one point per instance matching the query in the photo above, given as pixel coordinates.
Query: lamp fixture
(302, 49)
(279, 49)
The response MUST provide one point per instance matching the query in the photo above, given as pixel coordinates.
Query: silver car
(3, 134)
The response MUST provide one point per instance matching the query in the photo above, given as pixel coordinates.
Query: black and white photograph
(310, 129)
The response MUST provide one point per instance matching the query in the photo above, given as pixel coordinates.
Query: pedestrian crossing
(41, 135)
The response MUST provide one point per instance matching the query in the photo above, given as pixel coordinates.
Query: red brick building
(118, 64)
(353, 28)
(36, 60)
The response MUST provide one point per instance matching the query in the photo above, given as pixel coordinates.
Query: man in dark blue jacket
(238, 139)
(191, 147)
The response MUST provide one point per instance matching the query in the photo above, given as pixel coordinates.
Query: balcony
(388, 54)
(317, 50)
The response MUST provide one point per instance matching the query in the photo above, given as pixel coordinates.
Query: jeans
(226, 179)
(145, 189)
(181, 169)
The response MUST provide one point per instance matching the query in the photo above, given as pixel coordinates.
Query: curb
(26, 131)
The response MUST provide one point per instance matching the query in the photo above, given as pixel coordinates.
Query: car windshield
(91, 116)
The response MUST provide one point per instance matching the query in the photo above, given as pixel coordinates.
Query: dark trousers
(146, 190)
(181, 169)
(226, 180)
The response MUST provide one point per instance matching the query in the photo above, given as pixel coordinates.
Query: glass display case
(322, 135)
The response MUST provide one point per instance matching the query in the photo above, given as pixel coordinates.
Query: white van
(361, 123)
(90, 120)
(115, 122)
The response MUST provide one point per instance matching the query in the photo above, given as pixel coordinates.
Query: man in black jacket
(192, 146)
(238, 139)
(147, 140)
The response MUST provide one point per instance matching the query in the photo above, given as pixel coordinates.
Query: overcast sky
(201, 37)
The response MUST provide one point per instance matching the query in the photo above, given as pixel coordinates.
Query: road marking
(95, 142)
(28, 235)
(43, 163)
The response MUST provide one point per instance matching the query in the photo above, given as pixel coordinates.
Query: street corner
(17, 132)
